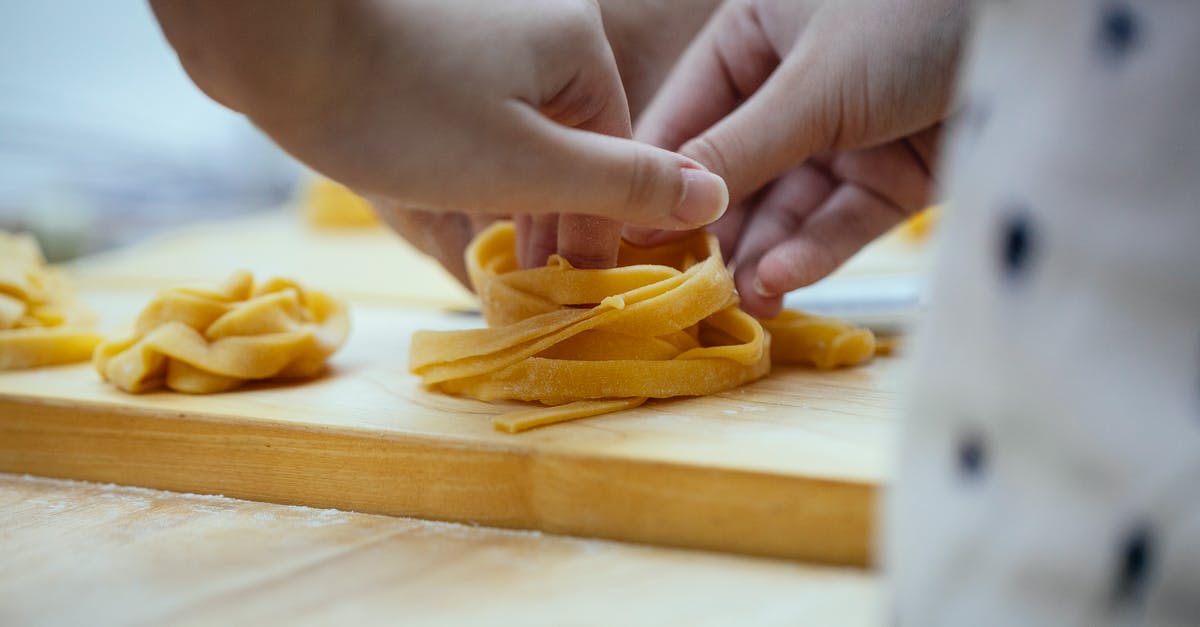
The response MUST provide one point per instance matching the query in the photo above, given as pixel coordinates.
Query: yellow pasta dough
(332, 205)
(210, 339)
(920, 226)
(664, 323)
(40, 321)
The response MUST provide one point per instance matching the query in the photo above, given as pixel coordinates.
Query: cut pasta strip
(664, 323)
(525, 419)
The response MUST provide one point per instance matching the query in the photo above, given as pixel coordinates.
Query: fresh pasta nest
(664, 323)
(210, 339)
(41, 323)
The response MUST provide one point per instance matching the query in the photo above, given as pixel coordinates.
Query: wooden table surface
(98, 555)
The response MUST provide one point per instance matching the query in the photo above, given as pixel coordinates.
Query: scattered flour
(218, 504)
(215, 504)
(143, 498)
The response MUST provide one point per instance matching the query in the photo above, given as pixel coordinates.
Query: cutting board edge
(508, 443)
(116, 408)
(646, 501)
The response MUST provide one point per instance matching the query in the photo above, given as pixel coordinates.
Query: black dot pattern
(1120, 31)
(1016, 246)
(972, 456)
(1135, 559)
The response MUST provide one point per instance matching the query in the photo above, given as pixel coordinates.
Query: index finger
(729, 60)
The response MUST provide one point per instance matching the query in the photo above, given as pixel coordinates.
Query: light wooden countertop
(88, 554)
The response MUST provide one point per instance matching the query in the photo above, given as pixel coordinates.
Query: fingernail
(705, 198)
(761, 289)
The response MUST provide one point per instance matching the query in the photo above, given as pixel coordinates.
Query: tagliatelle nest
(41, 323)
(664, 323)
(210, 339)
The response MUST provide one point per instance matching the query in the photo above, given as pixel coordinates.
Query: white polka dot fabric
(1050, 463)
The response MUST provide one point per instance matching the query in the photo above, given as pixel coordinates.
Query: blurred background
(104, 139)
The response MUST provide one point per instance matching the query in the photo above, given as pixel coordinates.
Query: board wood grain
(788, 467)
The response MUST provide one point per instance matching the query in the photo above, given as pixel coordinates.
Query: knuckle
(579, 102)
(854, 224)
(649, 185)
(714, 155)
(581, 18)
(796, 266)
(572, 25)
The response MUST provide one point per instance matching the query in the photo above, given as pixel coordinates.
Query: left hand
(822, 116)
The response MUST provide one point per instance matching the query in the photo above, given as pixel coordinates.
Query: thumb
(590, 173)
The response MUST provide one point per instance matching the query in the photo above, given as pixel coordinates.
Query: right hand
(647, 37)
(489, 108)
(822, 116)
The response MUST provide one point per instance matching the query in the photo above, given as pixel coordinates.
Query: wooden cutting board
(788, 467)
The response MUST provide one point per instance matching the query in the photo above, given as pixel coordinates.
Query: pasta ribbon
(203, 339)
(920, 226)
(330, 205)
(664, 323)
(41, 323)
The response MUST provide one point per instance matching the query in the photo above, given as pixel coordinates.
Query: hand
(823, 118)
(647, 37)
(483, 107)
